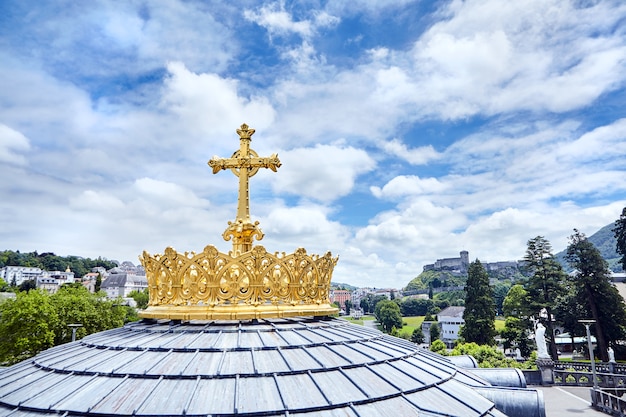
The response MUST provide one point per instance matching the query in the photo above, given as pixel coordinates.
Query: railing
(602, 367)
(609, 401)
(610, 388)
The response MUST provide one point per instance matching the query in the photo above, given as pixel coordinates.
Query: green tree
(98, 285)
(348, 306)
(514, 304)
(27, 285)
(544, 285)
(435, 332)
(620, 235)
(593, 290)
(388, 315)
(500, 290)
(480, 310)
(439, 347)
(417, 336)
(4, 286)
(142, 298)
(416, 307)
(74, 304)
(517, 324)
(26, 326)
(368, 303)
(515, 335)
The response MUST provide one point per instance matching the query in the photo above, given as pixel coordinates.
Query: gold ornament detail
(214, 285)
(246, 283)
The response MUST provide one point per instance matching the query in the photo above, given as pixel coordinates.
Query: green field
(412, 323)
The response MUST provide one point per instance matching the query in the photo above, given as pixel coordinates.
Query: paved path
(568, 401)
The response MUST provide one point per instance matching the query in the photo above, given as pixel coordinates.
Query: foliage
(515, 335)
(515, 301)
(593, 290)
(27, 285)
(26, 326)
(439, 347)
(417, 336)
(604, 240)
(75, 304)
(619, 232)
(500, 290)
(348, 305)
(479, 314)
(4, 286)
(142, 298)
(368, 303)
(435, 332)
(35, 320)
(417, 307)
(434, 279)
(50, 262)
(544, 285)
(388, 315)
(451, 298)
(487, 356)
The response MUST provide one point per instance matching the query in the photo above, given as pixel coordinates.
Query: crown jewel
(246, 283)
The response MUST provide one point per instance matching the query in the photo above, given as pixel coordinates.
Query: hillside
(605, 241)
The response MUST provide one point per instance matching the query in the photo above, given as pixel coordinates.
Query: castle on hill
(460, 265)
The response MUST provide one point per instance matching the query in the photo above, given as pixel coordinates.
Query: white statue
(540, 338)
(611, 355)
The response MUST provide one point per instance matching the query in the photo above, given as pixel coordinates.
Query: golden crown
(256, 284)
(246, 283)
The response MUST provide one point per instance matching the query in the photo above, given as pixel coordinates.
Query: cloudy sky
(408, 130)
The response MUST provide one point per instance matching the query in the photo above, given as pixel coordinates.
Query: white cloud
(323, 173)
(96, 201)
(415, 156)
(167, 194)
(210, 104)
(12, 144)
(278, 21)
(543, 55)
(409, 185)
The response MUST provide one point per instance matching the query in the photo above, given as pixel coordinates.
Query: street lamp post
(74, 326)
(588, 323)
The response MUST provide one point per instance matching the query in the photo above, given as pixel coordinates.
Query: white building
(19, 274)
(450, 321)
(66, 277)
(120, 285)
(49, 284)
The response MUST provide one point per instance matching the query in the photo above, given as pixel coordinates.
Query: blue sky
(408, 130)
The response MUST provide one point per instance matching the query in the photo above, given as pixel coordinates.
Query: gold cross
(244, 163)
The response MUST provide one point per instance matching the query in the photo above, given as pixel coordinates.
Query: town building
(340, 297)
(62, 277)
(15, 275)
(450, 321)
(48, 284)
(122, 284)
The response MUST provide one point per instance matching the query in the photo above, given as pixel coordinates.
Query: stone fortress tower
(250, 333)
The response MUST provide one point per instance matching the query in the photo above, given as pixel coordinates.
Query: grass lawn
(499, 324)
(410, 324)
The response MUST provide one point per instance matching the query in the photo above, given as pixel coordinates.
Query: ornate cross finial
(244, 163)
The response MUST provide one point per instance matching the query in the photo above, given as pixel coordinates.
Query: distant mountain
(606, 243)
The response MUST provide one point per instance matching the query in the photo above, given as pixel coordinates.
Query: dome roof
(273, 367)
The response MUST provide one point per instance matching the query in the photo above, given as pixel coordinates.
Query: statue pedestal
(546, 367)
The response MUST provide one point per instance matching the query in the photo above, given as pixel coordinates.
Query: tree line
(552, 297)
(48, 261)
(35, 320)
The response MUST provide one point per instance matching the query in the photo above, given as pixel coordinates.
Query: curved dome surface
(273, 367)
